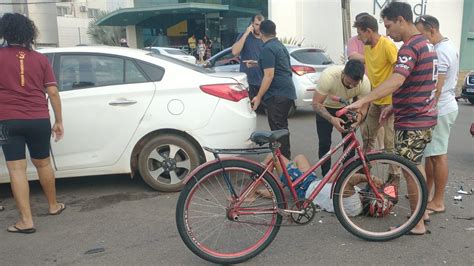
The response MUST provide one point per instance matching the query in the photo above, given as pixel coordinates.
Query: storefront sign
(418, 9)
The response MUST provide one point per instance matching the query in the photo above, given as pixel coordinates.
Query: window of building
(62, 10)
(92, 12)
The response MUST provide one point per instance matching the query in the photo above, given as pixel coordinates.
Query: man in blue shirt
(277, 89)
(249, 45)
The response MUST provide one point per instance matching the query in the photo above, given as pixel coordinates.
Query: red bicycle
(232, 208)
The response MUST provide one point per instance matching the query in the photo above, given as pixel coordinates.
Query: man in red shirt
(26, 79)
(413, 86)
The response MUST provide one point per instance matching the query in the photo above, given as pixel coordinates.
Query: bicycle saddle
(263, 137)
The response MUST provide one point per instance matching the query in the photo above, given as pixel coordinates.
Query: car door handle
(122, 102)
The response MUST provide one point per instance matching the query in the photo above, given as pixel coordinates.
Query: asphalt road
(112, 220)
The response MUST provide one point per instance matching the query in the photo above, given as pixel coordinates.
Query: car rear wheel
(165, 160)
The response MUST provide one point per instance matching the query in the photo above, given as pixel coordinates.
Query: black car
(468, 87)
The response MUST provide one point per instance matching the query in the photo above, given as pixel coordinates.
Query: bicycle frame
(336, 168)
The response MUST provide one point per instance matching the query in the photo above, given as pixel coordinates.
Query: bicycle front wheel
(221, 228)
(400, 206)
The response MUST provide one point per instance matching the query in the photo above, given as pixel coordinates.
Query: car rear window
(175, 52)
(312, 57)
(184, 64)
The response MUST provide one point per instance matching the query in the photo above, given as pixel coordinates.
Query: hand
(386, 112)
(358, 120)
(249, 29)
(250, 63)
(57, 131)
(338, 124)
(356, 106)
(256, 102)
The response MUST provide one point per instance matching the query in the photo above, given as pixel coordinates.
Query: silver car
(306, 63)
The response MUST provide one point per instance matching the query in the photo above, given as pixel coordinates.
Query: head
(361, 15)
(428, 26)
(268, 29)
(367, 27)
(353, 73)
(397, 18)
(255, 22)
(18, 29)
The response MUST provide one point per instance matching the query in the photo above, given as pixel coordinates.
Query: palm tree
(107, 35)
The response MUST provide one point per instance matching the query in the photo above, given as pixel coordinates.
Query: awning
(133, 16)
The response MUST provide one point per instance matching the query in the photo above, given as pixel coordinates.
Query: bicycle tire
(209, 183)
(398, 220)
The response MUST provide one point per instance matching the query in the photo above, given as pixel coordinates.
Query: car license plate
(470, 90)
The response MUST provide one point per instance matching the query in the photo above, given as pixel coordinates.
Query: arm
(319, 108)
(439, 86)
(239, 45)
(58, 129)
(268, 74)
(386, 88)
(357, 56)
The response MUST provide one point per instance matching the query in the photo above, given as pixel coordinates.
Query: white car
(132, 111)
(173, 52)
(306, 63)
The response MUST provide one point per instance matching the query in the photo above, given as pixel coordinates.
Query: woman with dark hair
(26, 79)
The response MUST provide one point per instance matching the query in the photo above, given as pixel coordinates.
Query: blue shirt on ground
(251, 51)
(275, 55)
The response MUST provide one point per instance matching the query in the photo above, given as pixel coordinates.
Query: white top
(448, 64)
(352, 204)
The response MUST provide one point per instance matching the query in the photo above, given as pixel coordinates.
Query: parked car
(306, 63)
(468, 87)
(173, 52)
(133, 111)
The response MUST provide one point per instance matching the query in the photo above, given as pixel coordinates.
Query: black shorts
(34, 133)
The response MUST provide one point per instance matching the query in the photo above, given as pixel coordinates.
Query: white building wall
(319, 22)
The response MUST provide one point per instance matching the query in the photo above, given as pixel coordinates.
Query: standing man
(192, 45)
(355, 47)
(249, 46)
(436, 163)
(413, 85)
(380, 56)
(346, 82)
(277, 89)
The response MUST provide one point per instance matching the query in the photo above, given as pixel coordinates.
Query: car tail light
(301, 70)
(231, 92)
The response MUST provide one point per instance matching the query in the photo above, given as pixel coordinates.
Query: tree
(107, 35)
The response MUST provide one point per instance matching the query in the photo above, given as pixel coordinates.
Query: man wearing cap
(436, 163)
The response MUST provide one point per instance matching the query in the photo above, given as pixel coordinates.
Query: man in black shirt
(277, 89)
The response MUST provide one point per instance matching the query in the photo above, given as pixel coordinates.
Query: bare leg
(440, 178)
(47, 181)
(21, 192)
(430, 175)
(413, 197)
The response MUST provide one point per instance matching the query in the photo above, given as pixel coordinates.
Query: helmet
(376, 207)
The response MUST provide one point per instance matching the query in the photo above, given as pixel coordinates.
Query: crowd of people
(406, 95)
(201, 49)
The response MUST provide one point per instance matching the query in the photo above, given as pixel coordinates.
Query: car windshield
(175, 52)
(183, 63)
(312, 57)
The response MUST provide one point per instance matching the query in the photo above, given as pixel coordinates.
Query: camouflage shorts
(411, 143)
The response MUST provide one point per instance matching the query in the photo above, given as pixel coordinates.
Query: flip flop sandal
(62, 207)
(16, 229)
(431, 211)
(410, 233)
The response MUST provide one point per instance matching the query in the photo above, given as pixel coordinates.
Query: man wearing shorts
(412, 85)
(436, 163)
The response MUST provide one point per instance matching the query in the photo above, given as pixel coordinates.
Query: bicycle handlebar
(342, 112)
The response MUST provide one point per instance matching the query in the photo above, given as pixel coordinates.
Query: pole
(346, 21)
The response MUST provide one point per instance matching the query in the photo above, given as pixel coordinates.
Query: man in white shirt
(436, 152)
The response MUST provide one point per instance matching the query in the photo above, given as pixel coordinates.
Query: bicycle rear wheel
(221, 229)
(402, 187)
